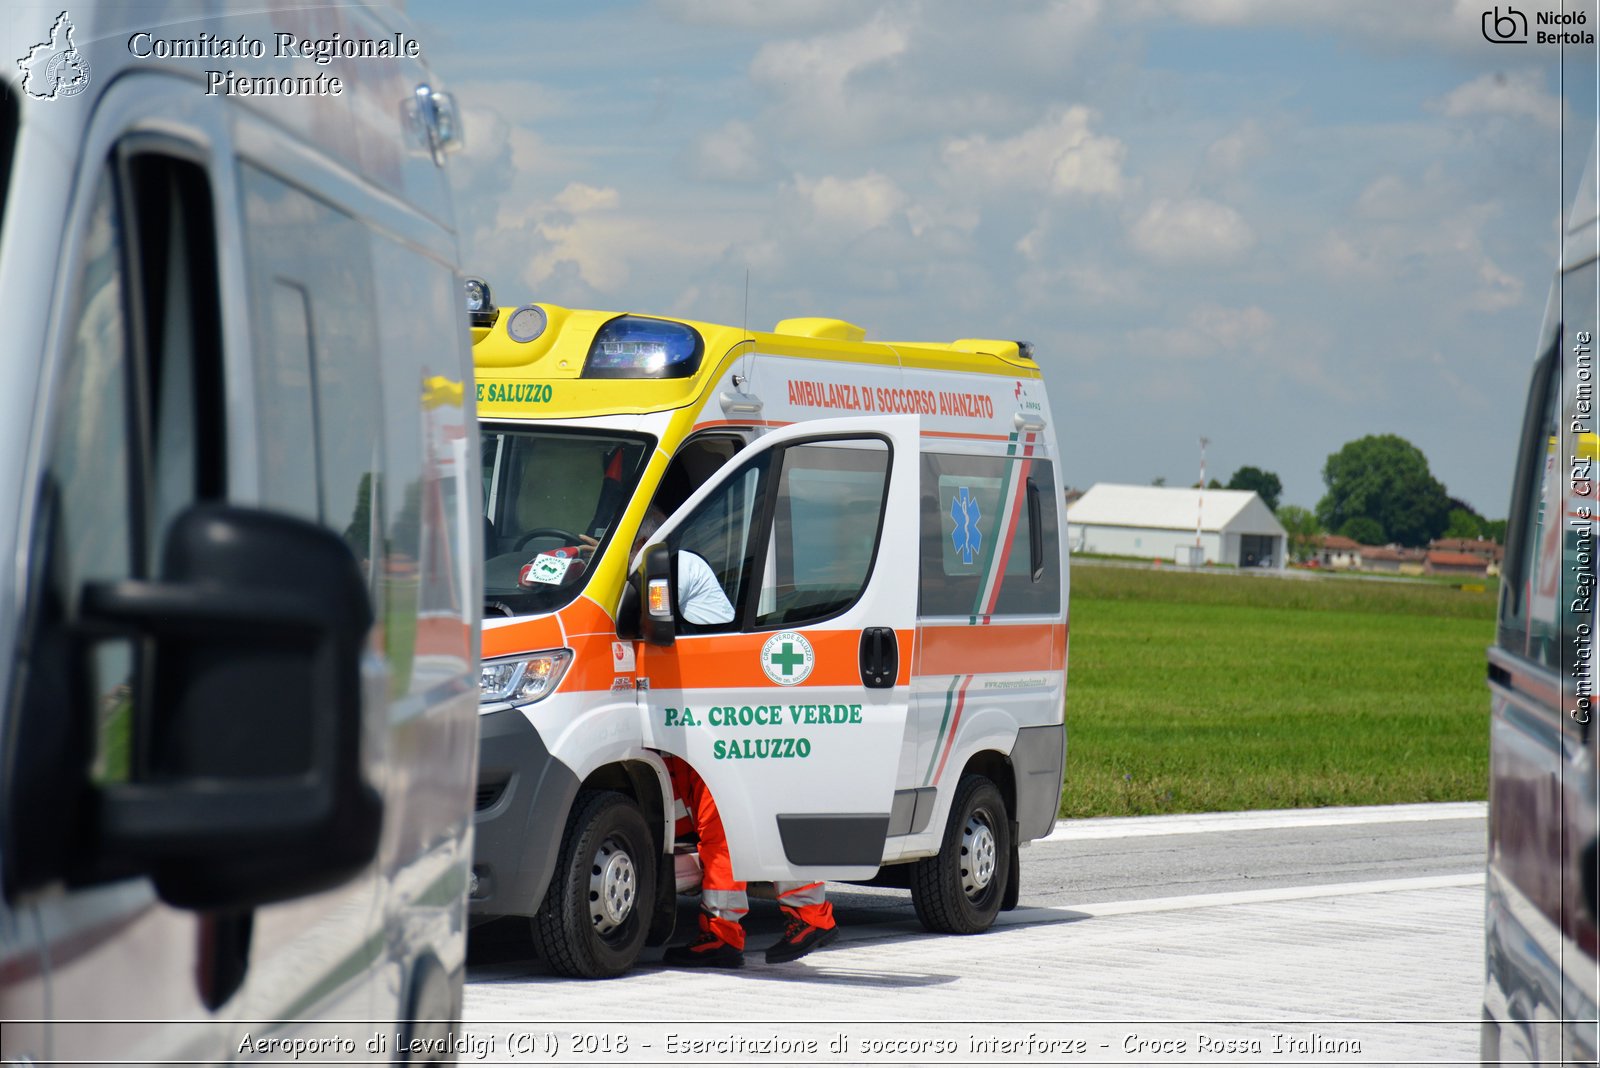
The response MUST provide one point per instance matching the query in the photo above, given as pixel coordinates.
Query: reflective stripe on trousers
(723, 902)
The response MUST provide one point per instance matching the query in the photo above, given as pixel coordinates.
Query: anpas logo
(55, 68)
(787, 658)
(1025, 402)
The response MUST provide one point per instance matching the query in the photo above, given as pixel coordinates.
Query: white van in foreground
(1541, 934)
(239, 616)
(884, 521)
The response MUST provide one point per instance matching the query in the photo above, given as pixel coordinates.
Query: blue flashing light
(631, 346)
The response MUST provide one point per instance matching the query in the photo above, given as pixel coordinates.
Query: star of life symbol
(787, 658)
(55, 68)
(968, 539)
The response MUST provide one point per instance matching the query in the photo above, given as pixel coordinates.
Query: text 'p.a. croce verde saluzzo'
(773, 716)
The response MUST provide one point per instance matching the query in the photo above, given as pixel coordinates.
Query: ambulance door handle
(880, 658)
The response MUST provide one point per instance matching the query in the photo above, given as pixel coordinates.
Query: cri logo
(1510, 28)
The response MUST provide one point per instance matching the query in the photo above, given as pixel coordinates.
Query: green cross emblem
(788, 660)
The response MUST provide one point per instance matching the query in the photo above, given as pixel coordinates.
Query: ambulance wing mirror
(245, 784)
(647, 600)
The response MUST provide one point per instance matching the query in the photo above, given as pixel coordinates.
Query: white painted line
(1279, 819)
(1243, 897)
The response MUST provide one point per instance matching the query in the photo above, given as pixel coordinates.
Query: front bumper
(524, 795)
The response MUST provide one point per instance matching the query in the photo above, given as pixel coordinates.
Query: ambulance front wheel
(960, 890)
(596, 913)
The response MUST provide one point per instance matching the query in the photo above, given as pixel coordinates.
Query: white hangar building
(1158, 522)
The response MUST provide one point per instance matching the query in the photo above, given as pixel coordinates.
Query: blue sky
(1281, 225)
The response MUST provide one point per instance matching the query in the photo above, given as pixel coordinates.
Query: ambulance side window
(721, 533)
(989, 538)
(826, 518)
(799, 551)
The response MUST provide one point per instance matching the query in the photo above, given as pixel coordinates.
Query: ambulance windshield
(552, 498)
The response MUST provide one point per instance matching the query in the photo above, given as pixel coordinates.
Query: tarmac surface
(1325, 936)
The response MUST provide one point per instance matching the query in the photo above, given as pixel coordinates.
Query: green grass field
(1213, 692)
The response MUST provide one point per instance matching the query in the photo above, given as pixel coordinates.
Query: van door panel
(799, 754)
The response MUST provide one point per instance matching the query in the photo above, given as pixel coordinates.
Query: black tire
(433, 1010)
(596, 913)
(960, 890)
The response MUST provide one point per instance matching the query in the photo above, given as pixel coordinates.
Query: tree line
(1379, 492)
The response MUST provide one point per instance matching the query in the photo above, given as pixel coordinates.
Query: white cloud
(757, 14)
(578, 198)
(1456, 24)
(1231, 153)
(815, 70)
(1194, 230)
(1518, 95)
(1400, 228)
(1060, 155)
(731, 153)
(851, 204)
(1210, 330)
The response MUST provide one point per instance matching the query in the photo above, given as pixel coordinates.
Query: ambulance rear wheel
(596, 913)
(960, 890)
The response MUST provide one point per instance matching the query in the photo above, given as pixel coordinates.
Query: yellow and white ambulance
(880, 682)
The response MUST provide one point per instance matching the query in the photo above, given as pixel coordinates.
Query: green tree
(1302, 527)
(1364, 530)
(1495, 530)
(1265, 483)
(1386, 479)
(1463, 524)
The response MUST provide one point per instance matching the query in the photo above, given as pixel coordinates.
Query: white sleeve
(700, 596)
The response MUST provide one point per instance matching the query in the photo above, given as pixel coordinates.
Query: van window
(990, 543)
(1532, 583)
(123, 458)
(8, 141)
(317, 375)
(550, 497)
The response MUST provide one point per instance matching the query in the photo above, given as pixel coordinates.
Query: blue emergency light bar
(631, 346)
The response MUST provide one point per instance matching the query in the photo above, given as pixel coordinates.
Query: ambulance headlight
(631, 346)
(522, 680)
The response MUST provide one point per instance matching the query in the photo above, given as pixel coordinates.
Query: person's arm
(700, 596)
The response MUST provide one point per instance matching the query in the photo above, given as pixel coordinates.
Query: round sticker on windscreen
(787, 658)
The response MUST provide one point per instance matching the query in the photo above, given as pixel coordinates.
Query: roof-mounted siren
(480, 305)
(1025, 350)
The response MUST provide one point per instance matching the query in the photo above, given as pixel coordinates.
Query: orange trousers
(723, 901)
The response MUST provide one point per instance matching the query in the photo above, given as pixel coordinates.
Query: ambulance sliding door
(793, 710)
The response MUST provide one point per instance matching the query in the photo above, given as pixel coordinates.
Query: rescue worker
(723, 901)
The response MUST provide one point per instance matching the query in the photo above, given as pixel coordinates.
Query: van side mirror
(646, 609)
(245, 784)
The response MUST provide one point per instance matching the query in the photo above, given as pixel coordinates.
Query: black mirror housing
(646, 610)
(246, 785)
